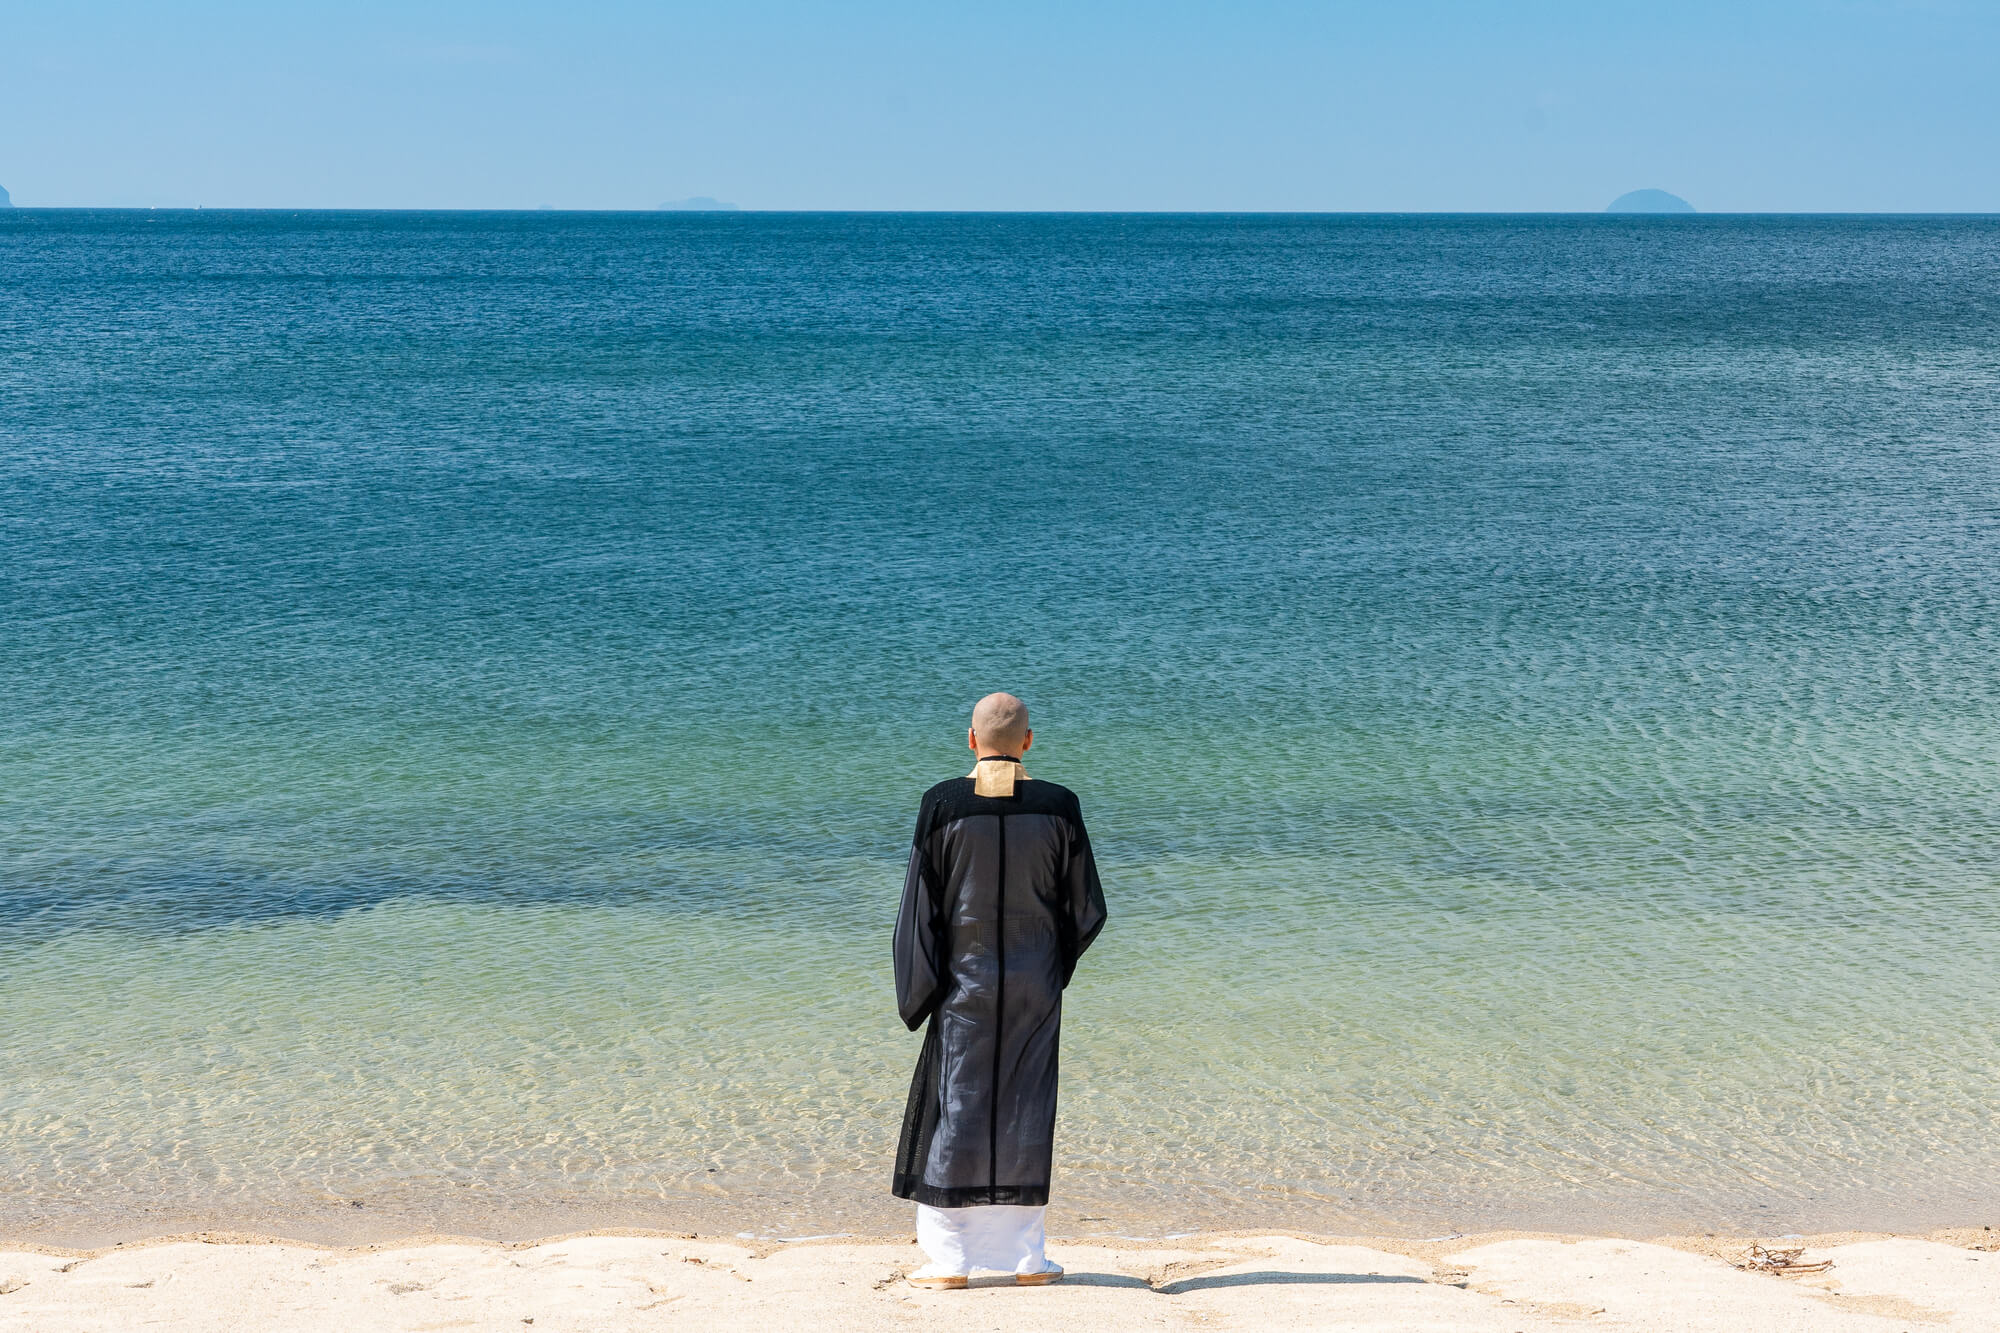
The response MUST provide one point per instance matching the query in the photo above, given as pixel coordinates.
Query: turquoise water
(465, 682)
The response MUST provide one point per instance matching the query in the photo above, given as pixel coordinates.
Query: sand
(654, 1281)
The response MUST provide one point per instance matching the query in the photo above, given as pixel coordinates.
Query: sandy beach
(1502, 1282)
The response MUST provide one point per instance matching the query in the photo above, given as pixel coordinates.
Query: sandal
(923, 1281)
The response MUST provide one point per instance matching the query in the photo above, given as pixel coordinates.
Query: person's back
(1000, 901)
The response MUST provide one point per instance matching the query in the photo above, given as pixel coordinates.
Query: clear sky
(1405, 104)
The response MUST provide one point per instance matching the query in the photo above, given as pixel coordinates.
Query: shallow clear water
(465, 683)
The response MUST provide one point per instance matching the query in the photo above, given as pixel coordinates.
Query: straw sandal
(938, 1282)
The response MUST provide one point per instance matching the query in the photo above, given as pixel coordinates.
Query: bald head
(1000, 726)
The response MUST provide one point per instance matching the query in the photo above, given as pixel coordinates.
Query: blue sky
(1807, 105)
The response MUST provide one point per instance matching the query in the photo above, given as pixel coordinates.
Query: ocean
(466, 681)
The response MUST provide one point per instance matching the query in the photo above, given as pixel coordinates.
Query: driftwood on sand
(1784, 1263)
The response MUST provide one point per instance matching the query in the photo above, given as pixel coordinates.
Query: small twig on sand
(1784, 1263)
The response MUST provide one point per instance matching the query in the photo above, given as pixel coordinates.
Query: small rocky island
(1648, 201)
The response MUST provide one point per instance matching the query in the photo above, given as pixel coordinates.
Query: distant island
(701, 203)
(1649, 201)
(6, 201)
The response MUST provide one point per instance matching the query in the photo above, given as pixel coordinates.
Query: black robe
(1000, 901)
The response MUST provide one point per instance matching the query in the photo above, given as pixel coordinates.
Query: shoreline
(1978, 1239)
(620, 1279)
(376, 1213)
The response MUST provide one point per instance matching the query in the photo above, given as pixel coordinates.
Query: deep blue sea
(466, 681)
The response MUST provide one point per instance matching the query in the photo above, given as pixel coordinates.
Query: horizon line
(1003, 212)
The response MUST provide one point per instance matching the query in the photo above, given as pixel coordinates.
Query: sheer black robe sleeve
(1083, 912)
(920, 965)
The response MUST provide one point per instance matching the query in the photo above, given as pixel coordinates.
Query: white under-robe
(989, 1238)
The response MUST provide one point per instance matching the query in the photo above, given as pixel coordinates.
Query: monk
(1000, 901)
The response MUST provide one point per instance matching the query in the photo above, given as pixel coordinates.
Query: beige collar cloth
(996, 776)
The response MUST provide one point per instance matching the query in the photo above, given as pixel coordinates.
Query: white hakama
(989, 1238)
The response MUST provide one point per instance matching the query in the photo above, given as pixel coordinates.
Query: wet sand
(1502, 1282)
